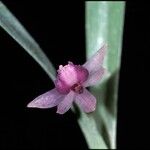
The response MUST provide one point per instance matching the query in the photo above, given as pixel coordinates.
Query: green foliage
(104, 23)
(16, 30)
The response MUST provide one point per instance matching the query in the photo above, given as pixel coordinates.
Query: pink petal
(82, 73)
(86, 101)
(65, 105)
(47, 100)
(95, 77)
(62, 87)
(69, 75)
(95, 62)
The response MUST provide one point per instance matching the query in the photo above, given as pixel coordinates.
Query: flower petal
(82, 73)
(47, 100)
(86, 101)
(95, 62)
(69, 75)
(65, 105)
(95, 77)
(61, 86)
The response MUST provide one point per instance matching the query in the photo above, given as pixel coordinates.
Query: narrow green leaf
(104, 23)
(13, 27)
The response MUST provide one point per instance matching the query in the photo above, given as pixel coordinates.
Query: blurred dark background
(59, 29)
(133, 115)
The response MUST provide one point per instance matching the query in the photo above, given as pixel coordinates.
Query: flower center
(77, 88)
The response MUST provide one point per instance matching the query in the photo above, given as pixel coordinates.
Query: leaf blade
(15, 29)
(104, 23)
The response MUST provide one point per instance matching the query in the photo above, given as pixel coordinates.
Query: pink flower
(71, 83)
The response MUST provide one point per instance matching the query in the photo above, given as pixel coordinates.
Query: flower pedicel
(71, 83)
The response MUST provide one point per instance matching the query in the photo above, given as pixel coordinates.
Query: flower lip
(71, 77)
(61, 86)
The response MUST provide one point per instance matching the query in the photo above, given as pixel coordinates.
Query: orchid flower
(71, 83)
